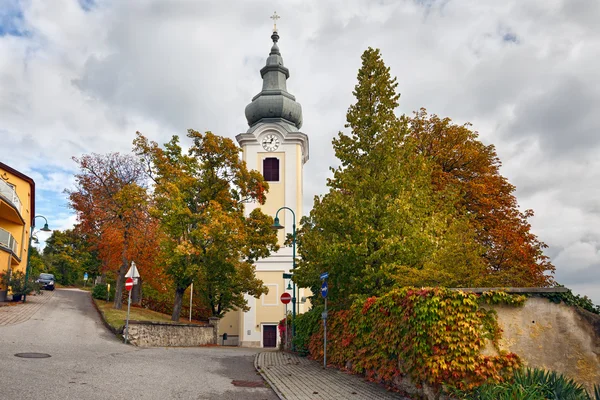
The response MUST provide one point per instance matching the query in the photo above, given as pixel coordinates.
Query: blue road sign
(85, 276)
(324, 289)
(324, 275)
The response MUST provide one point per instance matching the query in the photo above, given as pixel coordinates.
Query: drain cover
(32, 355)
(249, 384)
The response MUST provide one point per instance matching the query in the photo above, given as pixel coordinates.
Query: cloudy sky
(82, 76)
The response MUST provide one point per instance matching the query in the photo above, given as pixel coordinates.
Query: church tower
(274, 146)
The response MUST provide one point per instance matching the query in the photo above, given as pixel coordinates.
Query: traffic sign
(324, 275)
(85, 276)
(287, 276)
(324, 289)
(129, 284)
(132, 272)
(286, 298)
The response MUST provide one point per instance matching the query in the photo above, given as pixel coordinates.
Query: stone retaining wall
(166, 334)
(554, 337)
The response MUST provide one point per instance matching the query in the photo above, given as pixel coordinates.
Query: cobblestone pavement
(297, 378)
(16, 313)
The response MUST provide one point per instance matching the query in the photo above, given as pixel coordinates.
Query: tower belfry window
(271, 169)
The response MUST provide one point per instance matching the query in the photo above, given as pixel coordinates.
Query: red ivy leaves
(435, 335)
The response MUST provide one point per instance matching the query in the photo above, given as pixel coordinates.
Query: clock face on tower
(270, 142)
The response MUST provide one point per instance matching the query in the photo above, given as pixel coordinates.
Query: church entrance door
(269, 335)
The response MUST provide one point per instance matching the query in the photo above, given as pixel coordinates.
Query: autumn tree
(382, 224)
(199, 198)
(513, 254)
(111, 202)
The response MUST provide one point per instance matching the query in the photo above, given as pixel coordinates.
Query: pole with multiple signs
(324, 290)
(132, 276)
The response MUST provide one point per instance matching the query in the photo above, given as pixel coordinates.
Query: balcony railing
(7, 240)
(8, 191)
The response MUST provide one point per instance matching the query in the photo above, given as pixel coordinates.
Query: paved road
(88, 362)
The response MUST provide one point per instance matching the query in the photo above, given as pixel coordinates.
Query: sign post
(128, 286)
(191, 297)
(285, 299)
(324, 290)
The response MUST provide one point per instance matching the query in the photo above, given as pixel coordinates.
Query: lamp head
(289, 285)
(35, 240)
(45, 228)
(276, 224)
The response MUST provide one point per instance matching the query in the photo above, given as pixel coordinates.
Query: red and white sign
(129, 283)
(286, 298)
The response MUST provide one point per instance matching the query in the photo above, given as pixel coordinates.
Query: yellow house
(17, 210)
(274, 146)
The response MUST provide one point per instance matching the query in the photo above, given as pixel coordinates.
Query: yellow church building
(274, 146)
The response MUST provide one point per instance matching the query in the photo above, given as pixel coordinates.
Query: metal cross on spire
(275, 17)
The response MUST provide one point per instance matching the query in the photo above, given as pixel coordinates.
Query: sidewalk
(15, 313)
(298, 378)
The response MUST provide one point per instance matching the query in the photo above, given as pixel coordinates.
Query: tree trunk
(178, 303)
(118, 304)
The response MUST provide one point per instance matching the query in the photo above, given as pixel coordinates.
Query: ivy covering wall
(433, 335)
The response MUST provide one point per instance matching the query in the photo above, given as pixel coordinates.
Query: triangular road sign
(133, 271)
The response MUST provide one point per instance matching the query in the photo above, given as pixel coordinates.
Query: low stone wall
(165, 334)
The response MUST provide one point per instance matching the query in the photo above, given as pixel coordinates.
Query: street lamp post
(44, 229)
(277, 225)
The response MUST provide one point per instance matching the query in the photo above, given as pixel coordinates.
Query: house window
(271, 169)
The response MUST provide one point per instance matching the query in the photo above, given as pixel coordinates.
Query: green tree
(36, 263)
(199, 200)
(67, 255)
(382, 224)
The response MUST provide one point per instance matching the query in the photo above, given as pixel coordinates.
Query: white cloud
(524, 72)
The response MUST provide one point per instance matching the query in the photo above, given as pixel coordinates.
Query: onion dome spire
(274, 103)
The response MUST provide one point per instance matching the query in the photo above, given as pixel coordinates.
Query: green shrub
(533, 384)
(306, 325)
(20, 286)
(99, 292)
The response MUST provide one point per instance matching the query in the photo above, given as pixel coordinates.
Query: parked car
(46, 280)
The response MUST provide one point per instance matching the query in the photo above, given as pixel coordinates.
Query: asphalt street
(88, 362)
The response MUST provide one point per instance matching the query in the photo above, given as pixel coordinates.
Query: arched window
(271, 169)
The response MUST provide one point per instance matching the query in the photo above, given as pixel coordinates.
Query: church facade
(274, 146)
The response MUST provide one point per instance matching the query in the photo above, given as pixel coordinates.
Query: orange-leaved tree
(111, 201)
(513, 254)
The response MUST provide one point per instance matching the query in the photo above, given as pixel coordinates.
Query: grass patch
(116, 318)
